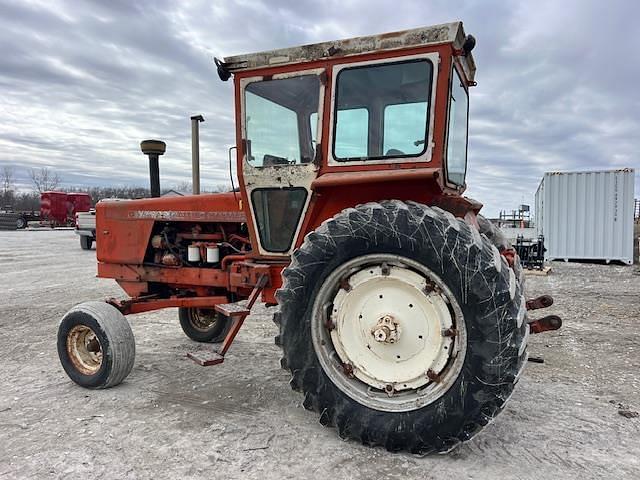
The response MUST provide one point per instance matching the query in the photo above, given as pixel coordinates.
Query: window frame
(455, 74)
(427, 153)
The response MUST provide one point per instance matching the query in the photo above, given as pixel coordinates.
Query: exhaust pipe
(195, 152)
(153, 149)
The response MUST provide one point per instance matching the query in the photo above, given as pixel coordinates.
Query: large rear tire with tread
(96, 345)
(447, 261)
(495, 236)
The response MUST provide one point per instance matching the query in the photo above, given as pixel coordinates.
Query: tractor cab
(316, 122)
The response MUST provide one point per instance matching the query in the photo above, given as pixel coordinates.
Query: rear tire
(203, 325)
(486, 307)
(495, 236)
(86, 242)
(96, 346)
(21, 223)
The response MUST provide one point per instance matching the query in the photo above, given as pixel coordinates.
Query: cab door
(281, 118)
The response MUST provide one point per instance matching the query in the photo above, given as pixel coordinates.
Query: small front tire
(203, 325)
(96, 346)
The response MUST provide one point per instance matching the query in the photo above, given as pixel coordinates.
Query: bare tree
(184, 187)
(7, 195)
(44, 179)
(7, 179)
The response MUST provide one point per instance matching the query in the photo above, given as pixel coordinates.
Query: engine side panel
(123, 228)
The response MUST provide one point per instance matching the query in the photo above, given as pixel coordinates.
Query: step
(232, 309)
(206, 357)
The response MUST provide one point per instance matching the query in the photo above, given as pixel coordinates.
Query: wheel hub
(202, 319)
(368, 312)
(84, 349)
(386, 330)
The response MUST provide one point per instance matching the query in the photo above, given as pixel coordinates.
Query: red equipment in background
(78, 202)
(60, 208)
(53, 207)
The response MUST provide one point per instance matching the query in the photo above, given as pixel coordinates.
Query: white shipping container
(587, 215)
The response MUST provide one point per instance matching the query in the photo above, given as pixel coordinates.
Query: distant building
(587, 215)
(173, 193)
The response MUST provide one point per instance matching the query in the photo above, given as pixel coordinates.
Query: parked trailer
(60, 208)
(78, 202)
(587, 215)
(9, 220)
(56, 209)
(12, 220)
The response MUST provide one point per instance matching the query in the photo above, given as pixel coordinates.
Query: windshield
(277, 120)
(382, 110)
(457, 131)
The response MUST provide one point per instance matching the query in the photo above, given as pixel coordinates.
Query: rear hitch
(543, 301)
(545, 324)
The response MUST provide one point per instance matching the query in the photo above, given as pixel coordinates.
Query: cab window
(404, 127)
(457, 130)
(277, 123)
(381, 111)
(352, 134)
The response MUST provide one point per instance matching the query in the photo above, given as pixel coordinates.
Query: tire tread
(452, 232)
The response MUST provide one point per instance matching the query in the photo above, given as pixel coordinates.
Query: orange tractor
(401, 310)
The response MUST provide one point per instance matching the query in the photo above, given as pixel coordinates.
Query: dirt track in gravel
(174, 419)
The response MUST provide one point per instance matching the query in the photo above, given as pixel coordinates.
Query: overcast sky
(82, 82)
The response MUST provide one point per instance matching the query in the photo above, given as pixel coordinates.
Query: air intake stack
(153, 149)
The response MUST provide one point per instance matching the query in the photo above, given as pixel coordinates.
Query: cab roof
(434, 35)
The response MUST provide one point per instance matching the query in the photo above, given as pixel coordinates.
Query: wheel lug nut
(449, 332)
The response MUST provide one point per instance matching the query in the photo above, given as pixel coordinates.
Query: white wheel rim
(388, 332)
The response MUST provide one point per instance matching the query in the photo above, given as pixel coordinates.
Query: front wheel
(96, 346)
(402, 325)
(203, 325)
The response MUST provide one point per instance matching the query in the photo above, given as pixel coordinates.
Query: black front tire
(471, 267)
(116, 345)
(203, 325)
(21, 223)
(86, 242)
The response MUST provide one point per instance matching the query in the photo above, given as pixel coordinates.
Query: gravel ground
(174, 419)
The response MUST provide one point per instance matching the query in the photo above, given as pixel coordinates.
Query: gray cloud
(81, 83)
